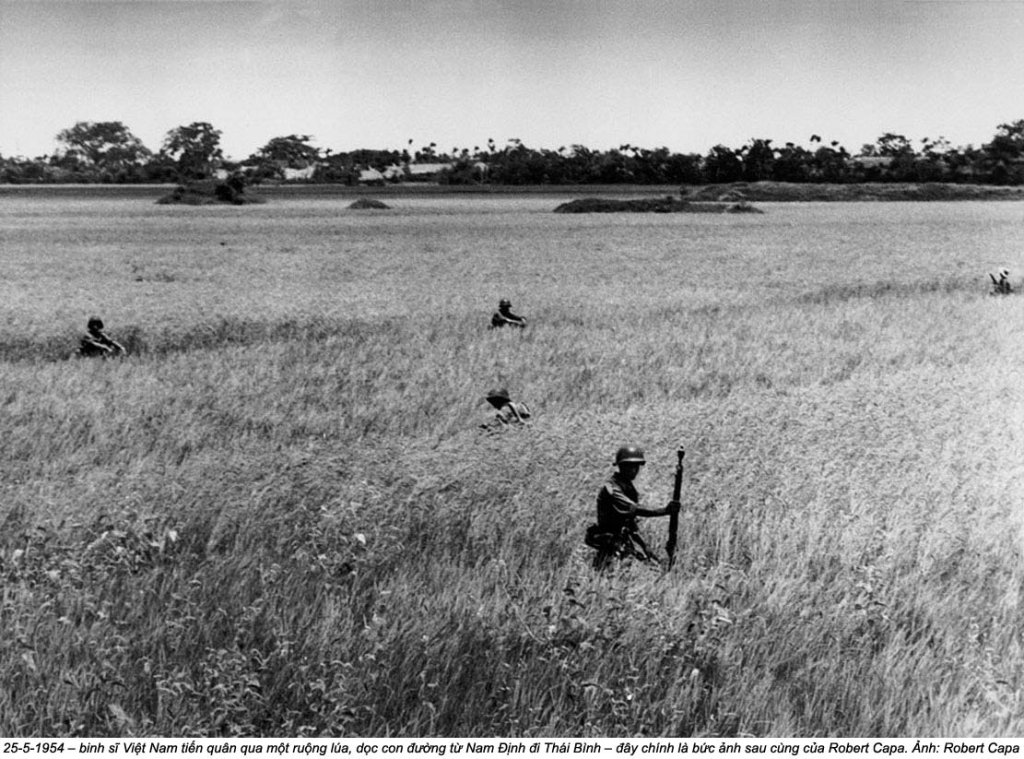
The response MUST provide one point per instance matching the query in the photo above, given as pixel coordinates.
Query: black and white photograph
(557, 372)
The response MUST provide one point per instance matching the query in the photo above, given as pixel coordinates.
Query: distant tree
(463, 171)
(645, 166)
(1008, 143)
(1004, 156)
(294, 150)
(830, 164)
(195, 149)
(1014, 130)
(722, 165)
(935, 148)
(905, 164)
(792, 163)
(25, 171)
(758, 159)
(516, 164)
(613, 168)
(892, 145)
(682, 168)
(106, 148)
(160, 168)
(577, 164)
(428, 153)
(936, 160)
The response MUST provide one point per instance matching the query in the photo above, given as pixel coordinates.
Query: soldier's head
(95, 324)
(497, 397)
(1004, 273)
(629, 459)
(504, 304)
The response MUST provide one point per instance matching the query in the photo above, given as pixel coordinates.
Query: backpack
(616, 544)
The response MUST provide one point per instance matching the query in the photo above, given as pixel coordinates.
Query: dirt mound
(209, 191)
(731, 196)
(610, 205)
(741, 207)
(369, 203)
(668, 204)
(866, 191)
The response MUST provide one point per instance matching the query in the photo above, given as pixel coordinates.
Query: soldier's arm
(110, 343)
(670, 507)
(626, 506)
(91, 342)
(655, 512)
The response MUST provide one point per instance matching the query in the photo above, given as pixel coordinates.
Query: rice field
(278, 516)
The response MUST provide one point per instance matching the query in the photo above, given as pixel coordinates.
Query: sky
(681, 74)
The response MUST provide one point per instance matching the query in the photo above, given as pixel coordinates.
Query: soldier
(505, 316)
(97, 343)
(1001, 282)
(509, 412)
(616, 534)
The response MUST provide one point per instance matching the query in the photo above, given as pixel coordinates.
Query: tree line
(107, 152)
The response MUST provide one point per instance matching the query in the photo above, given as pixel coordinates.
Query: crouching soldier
(505, 316)
(1001, 282)
(616, 534)
(509, 413)
(97, 343)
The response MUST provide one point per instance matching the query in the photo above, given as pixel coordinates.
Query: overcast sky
(684, 74)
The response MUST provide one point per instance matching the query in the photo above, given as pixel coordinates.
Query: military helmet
(504, 303)
(498, 394)
(1004, 273)
(94, 323)
(630, 454)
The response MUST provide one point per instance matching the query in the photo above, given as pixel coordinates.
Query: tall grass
(278, 516)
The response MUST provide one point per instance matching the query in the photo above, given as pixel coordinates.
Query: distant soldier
(616, 534)
(505, 316)
(97, 343)
(509, 412)
(1001, 282)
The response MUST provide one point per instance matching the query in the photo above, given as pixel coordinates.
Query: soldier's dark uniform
(96, 342)
(616, 535)
(1001, 283)
(505, 316)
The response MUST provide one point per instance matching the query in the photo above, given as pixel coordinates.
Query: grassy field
(278, 516)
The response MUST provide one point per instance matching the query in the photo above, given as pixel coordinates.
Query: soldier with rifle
(96, 342)
(504, 316)
(616, 535)
(1001, 282)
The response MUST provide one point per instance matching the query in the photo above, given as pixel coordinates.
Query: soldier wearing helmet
(616, 534)
(97, 343)
(1001, 282)
(505, 316)
(509, 412)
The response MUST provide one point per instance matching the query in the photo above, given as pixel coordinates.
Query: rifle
(673, 519)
